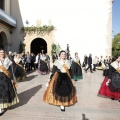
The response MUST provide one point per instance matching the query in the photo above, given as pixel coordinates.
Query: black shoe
(112, 98)
(3, 111)
(63, 110)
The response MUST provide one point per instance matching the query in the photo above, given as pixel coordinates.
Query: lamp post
(68, 51)
(27, 22)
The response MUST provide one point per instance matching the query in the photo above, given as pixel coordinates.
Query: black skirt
(7, 93)
(76, 69)
(105, 72)
(43, 66)
(63, 85)
(115, 82)
(19, 72)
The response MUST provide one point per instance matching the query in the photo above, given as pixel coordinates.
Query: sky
(80, 23)
(116, 17)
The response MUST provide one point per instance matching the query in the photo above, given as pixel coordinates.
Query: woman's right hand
(108, 82)
(72, 81)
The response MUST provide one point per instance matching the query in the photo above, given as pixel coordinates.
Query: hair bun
(1, 47)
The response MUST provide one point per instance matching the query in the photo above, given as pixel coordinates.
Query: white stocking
(62, 107)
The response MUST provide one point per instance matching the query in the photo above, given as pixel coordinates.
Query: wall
(83, 24)
(16, 36)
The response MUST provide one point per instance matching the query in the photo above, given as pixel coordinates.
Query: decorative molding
(7, 18)
(5, 27)
(42, 30)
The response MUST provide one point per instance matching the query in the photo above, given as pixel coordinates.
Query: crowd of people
(98, 63)
(60, 88)
(30, 61)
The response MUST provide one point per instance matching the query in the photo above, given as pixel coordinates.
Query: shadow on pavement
(29, 78)
(84, 118)
(25, 96)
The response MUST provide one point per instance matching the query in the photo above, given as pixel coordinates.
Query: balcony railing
(5, 18)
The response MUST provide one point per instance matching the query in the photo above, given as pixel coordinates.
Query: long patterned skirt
(8, 94)
(60, 91)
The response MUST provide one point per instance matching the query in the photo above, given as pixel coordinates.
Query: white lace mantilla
(17, 60)
(59, 64)
(115, 64)
(7, 62)
(76, 59)
(43, 57)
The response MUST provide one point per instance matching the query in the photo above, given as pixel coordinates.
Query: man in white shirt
(95, 60)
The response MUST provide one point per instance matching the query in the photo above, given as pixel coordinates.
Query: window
(2, 4)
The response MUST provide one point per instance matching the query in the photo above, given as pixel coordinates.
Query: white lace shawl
(59, 64)
(7, 62)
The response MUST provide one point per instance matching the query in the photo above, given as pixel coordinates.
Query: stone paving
(89, 105)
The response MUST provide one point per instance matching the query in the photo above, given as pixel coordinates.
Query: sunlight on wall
(80, 23)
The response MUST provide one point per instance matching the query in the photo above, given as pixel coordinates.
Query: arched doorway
(3, 41)
(37, 45)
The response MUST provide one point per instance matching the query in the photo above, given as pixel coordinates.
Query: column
(7, 6)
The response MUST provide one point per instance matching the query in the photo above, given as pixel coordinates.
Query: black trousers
(94, 67)
(36, 65)
(89, 67)
(32, 65)
(27, 67)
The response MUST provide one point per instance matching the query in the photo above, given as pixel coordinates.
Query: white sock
(0, 110)
(62, 107)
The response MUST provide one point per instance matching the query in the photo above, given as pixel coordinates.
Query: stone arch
(3, 40)
(37, 45)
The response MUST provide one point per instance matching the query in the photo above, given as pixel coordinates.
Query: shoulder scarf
(5, 71)
(114, 65)
(77, 60)
(67, 71)
(65, 65)
(7, 62)
(8, 75)
(43, 58)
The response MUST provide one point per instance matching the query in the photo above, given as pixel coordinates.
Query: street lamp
(112, 1)
(68, 51)
(27, 22)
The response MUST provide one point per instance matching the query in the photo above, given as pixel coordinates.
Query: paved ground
(88, 107)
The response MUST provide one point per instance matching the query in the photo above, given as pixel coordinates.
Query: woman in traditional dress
(101, 65)
(60, 89)
(111, 85)
(20, 73)
(107, 64)
(8, 94)
(43, 64)
(76, 68)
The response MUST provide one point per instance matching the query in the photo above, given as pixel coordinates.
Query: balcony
(6, 19)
